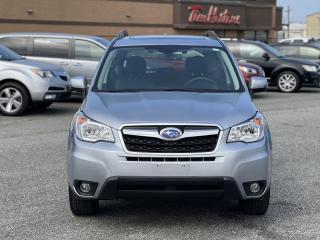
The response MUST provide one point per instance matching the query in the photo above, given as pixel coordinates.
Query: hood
(36, 64)
(116, 109)
(246, 64)
(299, 61)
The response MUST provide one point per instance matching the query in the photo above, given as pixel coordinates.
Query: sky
(300, 9)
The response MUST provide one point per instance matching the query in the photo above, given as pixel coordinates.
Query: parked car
(77, 54)
(25, 83)
(249, 70)
(148, 129)
(299, 40)
(303, 51)
(288, 74)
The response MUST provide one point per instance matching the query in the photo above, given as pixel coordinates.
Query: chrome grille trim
(190, 154)
(153, 132)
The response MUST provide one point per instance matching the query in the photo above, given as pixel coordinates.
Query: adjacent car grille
(64, 78)
(56, 89)
(196, 144)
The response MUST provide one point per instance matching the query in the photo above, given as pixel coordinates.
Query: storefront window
(262, 36)
(220, 33)
(249, 35)
(256, 35)
(231, 34)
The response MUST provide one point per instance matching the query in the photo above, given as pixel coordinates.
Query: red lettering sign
(212, 17)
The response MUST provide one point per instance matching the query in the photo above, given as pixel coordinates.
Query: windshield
(273, 51)
(168, 68)
(7, 55)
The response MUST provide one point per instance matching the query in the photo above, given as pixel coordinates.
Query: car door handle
(77, 65)
(63, 63)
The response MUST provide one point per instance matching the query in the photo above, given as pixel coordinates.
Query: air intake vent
(56, 89)
(64, 78)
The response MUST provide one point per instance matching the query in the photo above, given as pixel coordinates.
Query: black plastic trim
(150, 187)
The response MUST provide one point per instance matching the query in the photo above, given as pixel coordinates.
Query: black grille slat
(186, 145)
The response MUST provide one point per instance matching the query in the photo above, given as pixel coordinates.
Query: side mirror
(78, 82)
(266, 56)
(258, 84)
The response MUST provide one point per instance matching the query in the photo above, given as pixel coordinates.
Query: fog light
(50, 96)
(85, 187)
(255, 187)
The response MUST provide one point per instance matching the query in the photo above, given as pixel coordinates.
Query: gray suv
(77, 54)
(169, 116)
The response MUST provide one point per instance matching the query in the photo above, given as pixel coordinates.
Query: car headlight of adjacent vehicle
(248, 70)
(310, 68)
(91, 131)
(250, 131)
(43, 73)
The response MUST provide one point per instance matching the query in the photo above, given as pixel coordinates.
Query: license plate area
(170, 168)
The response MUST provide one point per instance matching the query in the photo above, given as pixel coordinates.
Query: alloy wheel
(10, 100)
(287, 82)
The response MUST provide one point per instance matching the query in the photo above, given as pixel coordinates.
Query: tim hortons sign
(212, 17)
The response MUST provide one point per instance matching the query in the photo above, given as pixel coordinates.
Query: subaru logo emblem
(170, 133)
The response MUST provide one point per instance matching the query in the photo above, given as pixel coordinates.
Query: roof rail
(211, 34)
(122, 34)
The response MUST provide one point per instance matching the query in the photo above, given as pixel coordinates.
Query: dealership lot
(34, 203)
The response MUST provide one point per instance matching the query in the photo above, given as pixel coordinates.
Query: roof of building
(316, 13)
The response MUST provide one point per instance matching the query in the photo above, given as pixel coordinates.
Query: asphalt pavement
(34, 199)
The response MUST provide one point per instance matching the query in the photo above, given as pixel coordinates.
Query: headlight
(247, 132)
(248, 70)
(43, 74)
(91, 131)
(310, 68)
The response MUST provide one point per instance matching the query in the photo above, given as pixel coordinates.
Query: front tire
(256, 206)
(82, 207)
(14, 99)
(288, 82)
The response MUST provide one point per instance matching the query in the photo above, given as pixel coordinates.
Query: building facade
(313, 25)
(250, 19)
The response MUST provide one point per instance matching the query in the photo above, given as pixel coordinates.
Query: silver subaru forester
(169, 116)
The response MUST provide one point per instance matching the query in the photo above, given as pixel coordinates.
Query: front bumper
(312, 79)
(55, 87)
(52, 96)
(106, 164)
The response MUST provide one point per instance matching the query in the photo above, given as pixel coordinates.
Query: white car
(298, 40)
(26, 83)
